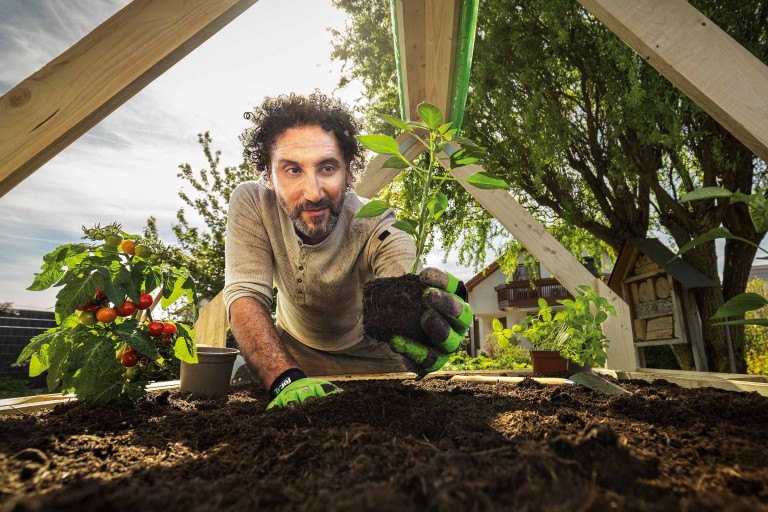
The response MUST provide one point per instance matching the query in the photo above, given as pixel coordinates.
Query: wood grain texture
(52, 108)
(212, 325)
(699, 58)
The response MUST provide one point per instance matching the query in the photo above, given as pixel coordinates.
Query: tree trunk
(684, 356)
(738, 261)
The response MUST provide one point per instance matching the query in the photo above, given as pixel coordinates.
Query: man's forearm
(258, 340)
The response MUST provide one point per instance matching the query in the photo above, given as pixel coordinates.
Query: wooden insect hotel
(657, 288)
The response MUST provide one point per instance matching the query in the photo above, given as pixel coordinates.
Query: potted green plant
(573, 334)
(386, 301)
(106, 346)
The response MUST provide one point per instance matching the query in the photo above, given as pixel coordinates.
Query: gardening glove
(446, 319)
(300, 390)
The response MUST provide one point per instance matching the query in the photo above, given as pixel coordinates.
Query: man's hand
(300, 391)
(446, 319)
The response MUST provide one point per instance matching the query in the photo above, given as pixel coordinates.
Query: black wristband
(284, 379)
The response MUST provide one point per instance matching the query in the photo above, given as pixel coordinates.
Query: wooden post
(211, 326)
(698, 58)
(52, 108)
(567, 269)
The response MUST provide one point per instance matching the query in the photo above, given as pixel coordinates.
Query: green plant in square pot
(106, 347)
(392, 305)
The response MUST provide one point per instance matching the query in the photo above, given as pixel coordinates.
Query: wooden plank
(375, 177)
(643, 277)
(547, 381)
(652, 309)
(427, 34)
(212, 324)
(441, 25)
(656, 343)
(552, 255)
(698, 58)
(701, 381)
(694, 331)
(53, 107)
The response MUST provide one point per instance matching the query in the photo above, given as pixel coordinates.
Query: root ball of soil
(392, 305)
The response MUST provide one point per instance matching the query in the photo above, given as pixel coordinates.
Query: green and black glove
(446, 320)
(293, 387)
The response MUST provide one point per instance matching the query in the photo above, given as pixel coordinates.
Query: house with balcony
(494, 295)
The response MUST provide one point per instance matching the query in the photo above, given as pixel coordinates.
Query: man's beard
(314, 231)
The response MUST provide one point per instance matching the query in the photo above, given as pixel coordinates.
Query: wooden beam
(699, 58)
(559, 261)
(375, 177)
(427, 35)
(52, 108)
(212, 325)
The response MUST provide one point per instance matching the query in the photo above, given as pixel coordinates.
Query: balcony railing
(520, 294)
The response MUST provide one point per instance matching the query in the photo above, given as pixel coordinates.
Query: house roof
(679, 269)
(480, 277)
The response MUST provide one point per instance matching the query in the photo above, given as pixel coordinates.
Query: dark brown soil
(393, 305)
(397, 445)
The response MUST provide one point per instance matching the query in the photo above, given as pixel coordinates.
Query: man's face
(309, 175)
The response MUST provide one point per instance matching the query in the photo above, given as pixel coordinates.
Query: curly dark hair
(275, 115)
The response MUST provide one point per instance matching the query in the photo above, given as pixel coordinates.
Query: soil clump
(392, 305)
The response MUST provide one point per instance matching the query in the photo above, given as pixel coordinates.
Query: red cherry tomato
(127, 308)
(155, 328)
(128, 359)
(166, 340)
(145, 300)
(129, 247)
(169, 328)
(106, 315)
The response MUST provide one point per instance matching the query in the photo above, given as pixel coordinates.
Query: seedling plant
(106, 346)
(434, 135)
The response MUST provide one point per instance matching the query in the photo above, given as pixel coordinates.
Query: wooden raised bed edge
(687, 379)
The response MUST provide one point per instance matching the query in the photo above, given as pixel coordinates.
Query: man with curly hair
(296, 229)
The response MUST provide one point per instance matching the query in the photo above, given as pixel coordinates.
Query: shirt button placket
(300, 295)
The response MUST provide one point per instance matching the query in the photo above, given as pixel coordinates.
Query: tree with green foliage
(202, 250)
(592, 139)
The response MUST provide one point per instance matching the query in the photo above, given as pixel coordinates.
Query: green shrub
(756, 336)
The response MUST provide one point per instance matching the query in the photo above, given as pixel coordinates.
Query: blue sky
(124, 169)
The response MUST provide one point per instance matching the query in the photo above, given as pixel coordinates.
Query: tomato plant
(86, 352)
(145, 300)
(106, 315)
(155, 328)
(127, 308)
(128, 247)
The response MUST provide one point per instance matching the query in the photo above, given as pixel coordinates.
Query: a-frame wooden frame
(56, 105)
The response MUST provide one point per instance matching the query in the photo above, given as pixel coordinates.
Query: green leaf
(130, 332)
(98, 380)
(395, 162)
(407, 225)
(46, 279)
(746, 321)
(437, 205)
(396, 122)
(184, 348)
(712, 234)
(601, 317)
(706, 193)
(443, 129)
(486, 180)
(758, 211)
(36, 343)
(76, 292)
(507, 333)
(383, 144)
(430, 114)
(467, 156)
(740, 304)
(497, 325)
(372, 209)
(57, 357)
(171, 295)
